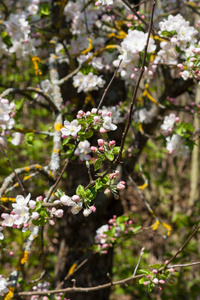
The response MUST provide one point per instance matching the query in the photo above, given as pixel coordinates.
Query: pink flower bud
(107, 191)
(93, 149)
(93, 208)
(100, 142)
(177, 119)
(166, 262)
(94, 111)
(155, 280)
(102, 130)
(35, 215)
(155, 271)
(51, 222)
(112, 143)
(101, 149)
(81, 113)
(39, 198)
(120, 186)
(65, 200)
(161, 281)
(88, 113)
(180, 66)
(76, 198)
(146, 283)
(59, 213)
(32, 204)
(96, 119)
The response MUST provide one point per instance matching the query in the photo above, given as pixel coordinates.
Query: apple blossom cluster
(28, 213)
(130, 49)
(174, 143)
(104, 2)
(154, 279)
(101, 120)
(182, 44)
(192, 67)
(143, 116)
(168, 124)
(87, 83)
(7, 112)
(45, 287)
(108, 234)
(76, 203)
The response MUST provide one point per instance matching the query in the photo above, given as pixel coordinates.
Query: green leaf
(98, 184)
(91, 193)
(80, 191)
(40, 221)
(97, 164)
(116, 150)
(167, 33)
(122, 219)
(45, 9)
(66, 141)
(59, 193)
(89, 134)
(157, 266)
(184, 128)
(144, 271)
(136, 228)
(18, 103)
(29, 138)
(6, 39)
(38, 205)
(109, 155)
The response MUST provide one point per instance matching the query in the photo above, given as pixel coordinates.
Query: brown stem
(136, 88)
(182, 247)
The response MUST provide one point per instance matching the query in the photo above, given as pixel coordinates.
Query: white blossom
(87, 83)
(70, 128)
(168, 123)
(83, 150)
(100, 236)
(3, 286)
(1, 234)
(8, 220)
(105, 2)
(6, 108)
(107, 123)
(185, 74)
(175, 146)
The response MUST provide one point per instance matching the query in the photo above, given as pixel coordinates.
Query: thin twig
(52, 189)
(69, 274)
(181, 248)
(18, 179)
(184, 265)
(140, 257)
(66, 78)
(30, 89)
(139, 17)
(106, 89)
(25, 169)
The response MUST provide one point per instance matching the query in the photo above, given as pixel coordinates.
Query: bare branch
(19, 180)
(30, 89)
